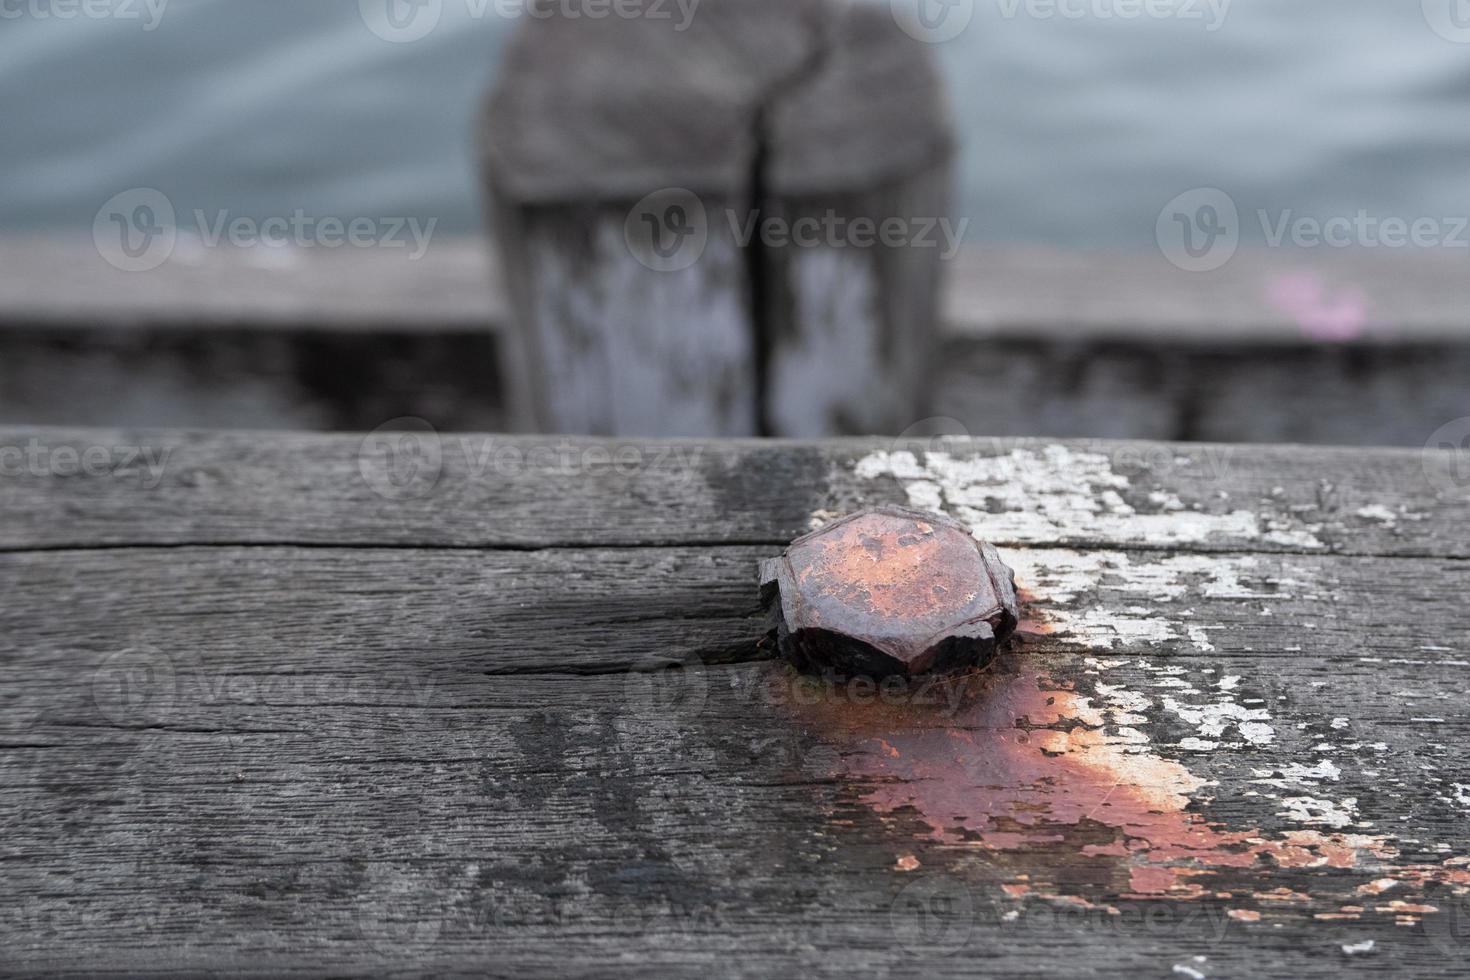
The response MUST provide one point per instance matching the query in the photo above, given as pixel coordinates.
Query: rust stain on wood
(1015, 762)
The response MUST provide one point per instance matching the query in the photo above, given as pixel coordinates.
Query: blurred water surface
(1076, 127)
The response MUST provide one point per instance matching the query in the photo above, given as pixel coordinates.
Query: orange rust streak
(1033, 619)
(1023, 760)
(1407, 907)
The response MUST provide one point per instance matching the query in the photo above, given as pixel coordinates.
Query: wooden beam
(374, 743)
(1037, 342)
(489, 491)
(989, 292)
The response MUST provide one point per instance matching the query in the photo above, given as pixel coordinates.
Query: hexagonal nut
(889, 591)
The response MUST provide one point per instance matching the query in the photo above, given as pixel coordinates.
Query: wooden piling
(692, 219)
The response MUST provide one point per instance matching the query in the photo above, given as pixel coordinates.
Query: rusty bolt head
(889, 591)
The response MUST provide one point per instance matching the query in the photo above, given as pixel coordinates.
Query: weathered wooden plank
(69, 488)
(1392, 296)
(386, 759)
(989, 291)
(312, 378)
(1344, 395)
(454, 284)
(1042, 342)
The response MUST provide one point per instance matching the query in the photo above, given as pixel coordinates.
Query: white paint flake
(1378, 512)
(1297, 775)
(1201, 639)
(1328, 813)
(1212, 720)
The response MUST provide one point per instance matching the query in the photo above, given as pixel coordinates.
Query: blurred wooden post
(690, 215)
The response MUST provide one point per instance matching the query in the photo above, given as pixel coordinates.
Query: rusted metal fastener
(889, 591)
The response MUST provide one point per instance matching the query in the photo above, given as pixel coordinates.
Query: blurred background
(1085, 129)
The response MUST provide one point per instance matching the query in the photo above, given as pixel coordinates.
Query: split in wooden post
(692, 219)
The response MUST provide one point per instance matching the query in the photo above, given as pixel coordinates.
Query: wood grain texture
(252, 721)
(850, 332)
(613, 346)
(489, 491)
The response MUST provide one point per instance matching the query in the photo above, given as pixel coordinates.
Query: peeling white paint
(1193, 744)
(1328, 813)
(1213, 719)
(1296, 775)
(1256, 733)
(1056, 492)
(1201, 639)
(1062, 577)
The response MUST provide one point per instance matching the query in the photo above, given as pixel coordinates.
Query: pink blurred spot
(1305, 298)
